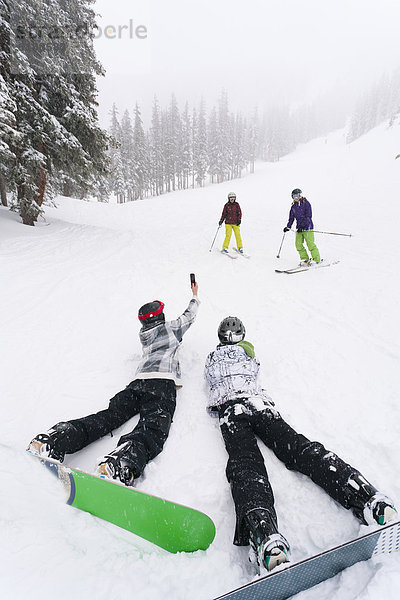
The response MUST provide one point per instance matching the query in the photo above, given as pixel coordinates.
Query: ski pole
(280, 247)
(215, 237)
(331, 233)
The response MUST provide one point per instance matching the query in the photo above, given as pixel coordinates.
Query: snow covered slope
(328, 341)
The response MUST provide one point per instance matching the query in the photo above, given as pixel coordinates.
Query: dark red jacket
(231, 214)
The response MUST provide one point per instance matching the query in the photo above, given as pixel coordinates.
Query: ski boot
(240, 250)
(274, 551)
(268, 548)
(379, 509)
(305, 263)
(224, 251)
(115, 466)
(51, 444)
(369, 506)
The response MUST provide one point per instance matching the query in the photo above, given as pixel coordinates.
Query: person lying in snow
(244, 411)
(152, 394)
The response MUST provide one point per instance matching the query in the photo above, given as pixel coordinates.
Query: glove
(220, 223)
(299, 229)
(238, 223)
(285, 229)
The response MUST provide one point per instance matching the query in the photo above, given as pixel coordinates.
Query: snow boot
(274, 551)
(268, 548)
(115, 466)
(379, 509)
(52, 444)
(369, 506)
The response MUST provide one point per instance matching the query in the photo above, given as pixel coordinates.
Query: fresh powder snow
(328, 342)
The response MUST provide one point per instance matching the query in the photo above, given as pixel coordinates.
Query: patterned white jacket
(231, 373)
(161, 344)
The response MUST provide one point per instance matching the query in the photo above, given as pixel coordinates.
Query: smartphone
(192, 278)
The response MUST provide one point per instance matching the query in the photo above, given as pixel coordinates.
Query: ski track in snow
(327, 340)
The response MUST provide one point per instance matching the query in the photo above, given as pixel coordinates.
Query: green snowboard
(171, 526)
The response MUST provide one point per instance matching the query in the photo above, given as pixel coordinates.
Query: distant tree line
(193, 146)
(379, 103)
(51, 141)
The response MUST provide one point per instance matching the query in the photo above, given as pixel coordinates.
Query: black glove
(299, 229)
(285, 229)
(238, 223)
(220, 223)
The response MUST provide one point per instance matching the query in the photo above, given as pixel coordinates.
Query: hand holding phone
(193, 284)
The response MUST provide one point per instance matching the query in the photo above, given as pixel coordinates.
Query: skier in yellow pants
(232, 215)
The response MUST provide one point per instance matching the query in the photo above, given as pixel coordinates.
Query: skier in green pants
(302, 212)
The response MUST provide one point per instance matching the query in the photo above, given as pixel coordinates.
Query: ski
(172, 526)
(228, 254)
(305, 574)
(242, 253)
(310, 268)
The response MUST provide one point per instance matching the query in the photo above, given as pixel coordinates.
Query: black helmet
(297, 193)
(231, 330)
(151, 314)
(231, 195)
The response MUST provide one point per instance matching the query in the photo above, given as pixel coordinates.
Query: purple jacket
(301, 211)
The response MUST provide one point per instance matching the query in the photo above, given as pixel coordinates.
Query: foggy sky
(260, 51)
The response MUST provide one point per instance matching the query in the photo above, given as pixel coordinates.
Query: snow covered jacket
(232, 372)
(231, 214)
(160, 346)
(302, 212)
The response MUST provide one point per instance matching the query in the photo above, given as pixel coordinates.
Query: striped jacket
(160, 347)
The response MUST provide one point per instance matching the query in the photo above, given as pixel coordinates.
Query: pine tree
(127, 155)
(186, 151)
(156, 158)
(238, 147)
(213, 146)
(252, 140)
(200, 156)
(224, 139)
(119, 184)
(52, 84)
(139, 156)
(8, 139)
(117, 180)
(172, 150)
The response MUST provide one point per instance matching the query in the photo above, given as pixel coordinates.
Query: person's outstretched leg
(157, 400)
(68, 437)
(256, 520)
(245, 471)
(340, 480)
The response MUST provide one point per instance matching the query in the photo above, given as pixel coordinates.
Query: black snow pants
(240, 423)
(153, 399)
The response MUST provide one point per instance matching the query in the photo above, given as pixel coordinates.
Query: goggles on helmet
(153, 313)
